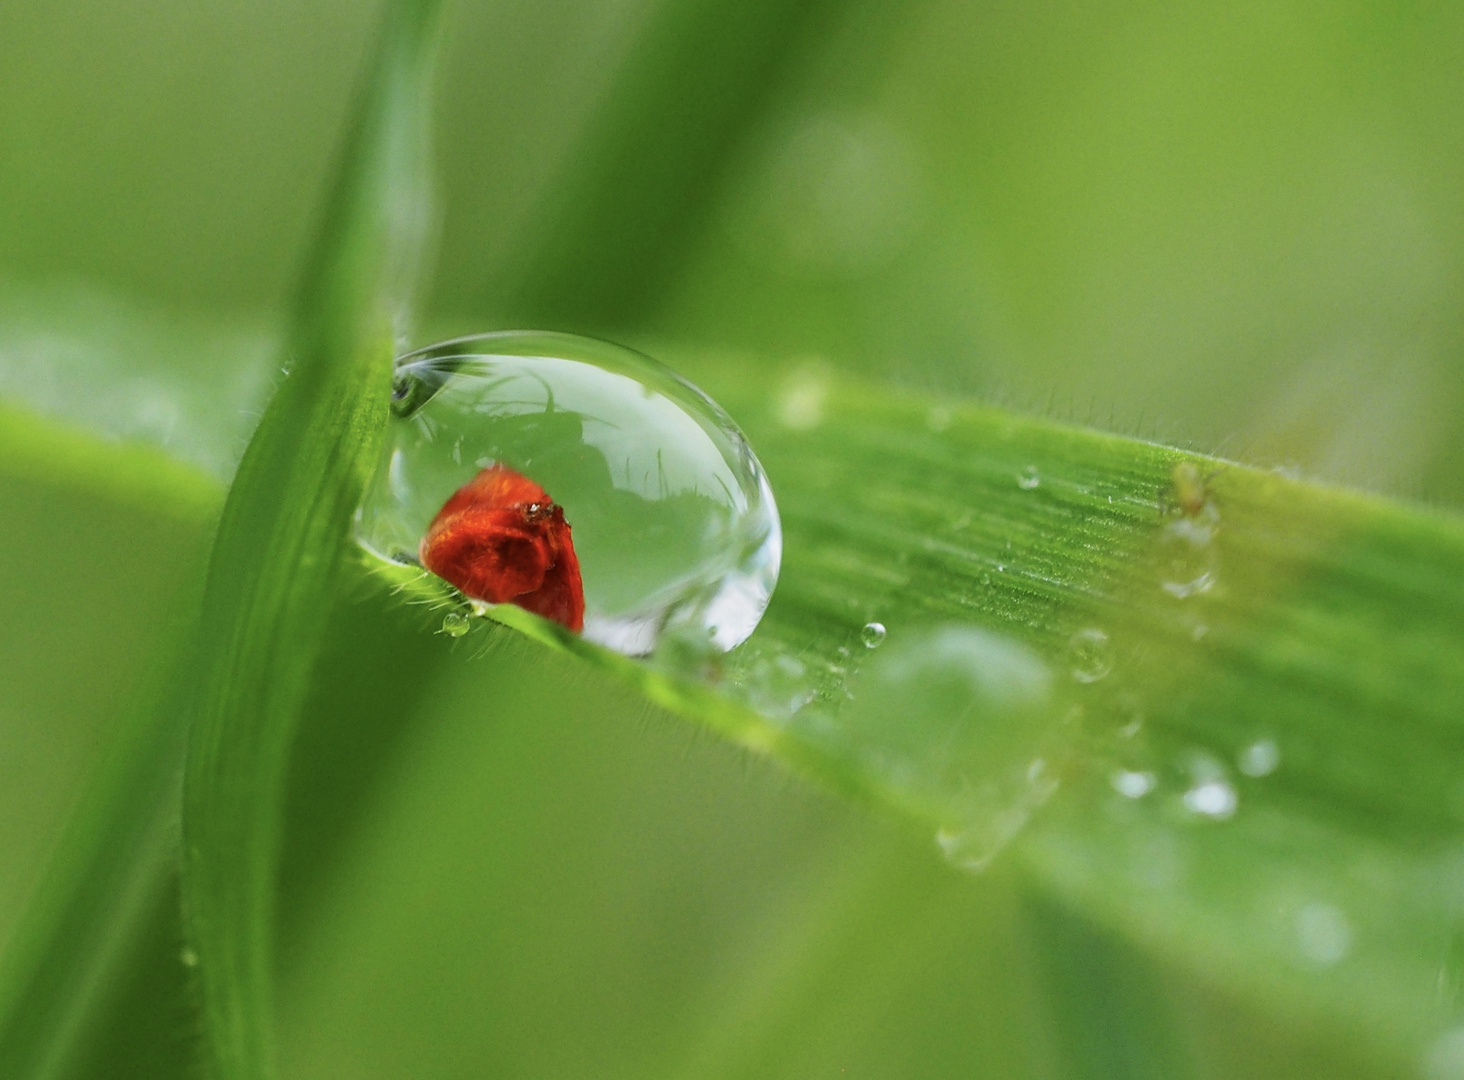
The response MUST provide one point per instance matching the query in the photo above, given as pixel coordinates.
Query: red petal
(501, 539)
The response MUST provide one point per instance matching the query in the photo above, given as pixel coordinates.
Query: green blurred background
(1234, 226)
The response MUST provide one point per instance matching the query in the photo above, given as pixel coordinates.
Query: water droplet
(1323, 935)
(967, 727)
(801, 400)
(1188, 558)
(872, 635)
(455, 624)
(1029, 479)
(1091, 655)
(1260, 758)
(1211, 798)
(188, 957)
(672, 519)
(777, 686)
(1132, 785)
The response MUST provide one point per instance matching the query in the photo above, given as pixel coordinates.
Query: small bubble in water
(503, 446)
(1091, 655)
(1260, 758)
(455, 624)
(872, 635)
(1132, 785)
(1029, 479)
(1211, 798)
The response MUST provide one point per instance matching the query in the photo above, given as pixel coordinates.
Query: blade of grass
(275, 564)
(1293, 722)
(106, 876)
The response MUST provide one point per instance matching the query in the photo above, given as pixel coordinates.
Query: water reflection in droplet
(673, 521)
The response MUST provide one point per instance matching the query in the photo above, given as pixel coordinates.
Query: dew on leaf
(1090, 654)
(1029, 479)
(455, 624)
(664, 507)
(1323, 935)
(1132, 784)
(1260, 758)
(872, 635)
(965, 724)
(1212, 799)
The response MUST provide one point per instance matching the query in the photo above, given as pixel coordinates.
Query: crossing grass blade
(280, 545)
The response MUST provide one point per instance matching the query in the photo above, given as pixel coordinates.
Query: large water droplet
(672, 520)
(959, 723)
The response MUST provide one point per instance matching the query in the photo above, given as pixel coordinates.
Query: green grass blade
(1294, 721)
(107, 875)
(274, 569)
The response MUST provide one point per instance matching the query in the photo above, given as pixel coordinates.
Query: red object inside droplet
(500, 538)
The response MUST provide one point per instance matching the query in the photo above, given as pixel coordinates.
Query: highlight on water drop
(579, 480)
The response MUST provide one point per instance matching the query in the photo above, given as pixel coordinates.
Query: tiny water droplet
(1029, 479)
(1260, 758)
(455, 624)
(1132, 785)
(1091, 655)
(1323, 935)
(188, 957)
(671, 516)
(1188, 557)
(801, 400)
(778, 686)
(1211, 798)
(872, 635)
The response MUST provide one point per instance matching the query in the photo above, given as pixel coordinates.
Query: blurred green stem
(276, 562)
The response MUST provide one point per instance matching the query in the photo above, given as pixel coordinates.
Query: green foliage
(1193, 723)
